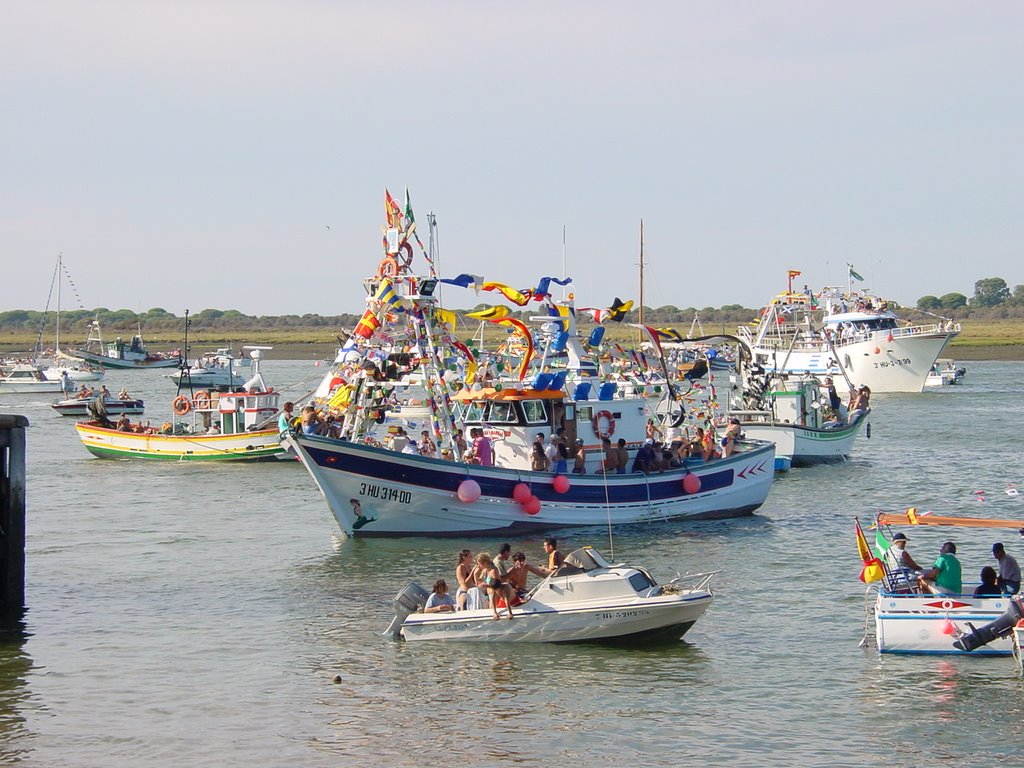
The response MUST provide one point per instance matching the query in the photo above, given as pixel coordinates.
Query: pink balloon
(532, 507)
(560, 483)
(521, 493)
(691, 483)
(947, 627)
(469, 491)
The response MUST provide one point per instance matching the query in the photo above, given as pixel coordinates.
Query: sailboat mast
(60, 269)
(641, 315)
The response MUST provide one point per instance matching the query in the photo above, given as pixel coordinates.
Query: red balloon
(521, 493)
(532, 507)
(691, 483)
(560, 483)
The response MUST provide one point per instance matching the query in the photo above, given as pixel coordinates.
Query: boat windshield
(582, 560)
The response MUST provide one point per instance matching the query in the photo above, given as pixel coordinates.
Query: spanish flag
(392, 210)
(873, 569)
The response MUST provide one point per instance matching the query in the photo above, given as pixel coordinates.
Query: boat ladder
(870, 638)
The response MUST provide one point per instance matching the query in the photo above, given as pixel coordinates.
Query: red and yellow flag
(527, 337)
(873, 569)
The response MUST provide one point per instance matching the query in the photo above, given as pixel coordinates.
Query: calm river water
(198, 615)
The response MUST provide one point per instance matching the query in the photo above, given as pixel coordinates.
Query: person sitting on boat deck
(555, 559)
(707, 443)
(677, 452)
(124, 424)
(214, 429)
(1009, 570)
(123, 394)
(411, 447)
(482, 449)
(897, 556)
(622, 456)
(310, 420)
(518, 573)
(859, 403)
(946, 576)
(538, 459)
(104, 392)
(439, 600)
(495, 586)
(84, 393)
(988, 586)
(284, 421)
(646, 458)
(427, 446)
(579, 458)
(732, 432)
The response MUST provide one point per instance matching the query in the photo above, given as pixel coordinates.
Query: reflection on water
(15, 666)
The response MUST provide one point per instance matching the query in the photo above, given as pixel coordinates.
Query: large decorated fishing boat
(834, 330)
(121, 354)
(557, 388)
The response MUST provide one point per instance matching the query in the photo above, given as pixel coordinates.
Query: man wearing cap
(1009, 571)
(897, 556)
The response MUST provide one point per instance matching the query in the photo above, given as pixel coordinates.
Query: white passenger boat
(794, 413)
(218, 369)
(945, 373)
(587, 599)
(26, 378)
(820, 333)
(901, 619)
(112, 406)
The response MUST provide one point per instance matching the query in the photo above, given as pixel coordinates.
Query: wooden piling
(12, 513)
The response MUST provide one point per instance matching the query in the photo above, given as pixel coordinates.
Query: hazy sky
(234, 153)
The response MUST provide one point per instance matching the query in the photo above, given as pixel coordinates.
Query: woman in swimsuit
(495, 586)
(463, 576)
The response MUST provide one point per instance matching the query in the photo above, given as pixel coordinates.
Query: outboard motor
(410, 598)
(1001, 627)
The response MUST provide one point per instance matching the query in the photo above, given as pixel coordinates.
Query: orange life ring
(202, 399)
(388, 267)
(180, 405)
(597, 424)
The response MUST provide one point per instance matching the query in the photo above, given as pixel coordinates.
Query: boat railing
(690, 582)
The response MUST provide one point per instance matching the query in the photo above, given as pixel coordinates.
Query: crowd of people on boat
(945, 576)
(498, 583)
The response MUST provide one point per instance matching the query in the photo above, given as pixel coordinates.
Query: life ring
(202, 400)
(180, 405)
(607, 415)
(407, 247)
(388, 267)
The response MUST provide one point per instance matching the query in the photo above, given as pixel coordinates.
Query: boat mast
(641, 314)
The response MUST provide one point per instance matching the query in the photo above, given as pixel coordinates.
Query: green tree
(990, 292)
(929, 302)
(953, 301)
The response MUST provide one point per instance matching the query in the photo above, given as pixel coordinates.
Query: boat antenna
(185, 372)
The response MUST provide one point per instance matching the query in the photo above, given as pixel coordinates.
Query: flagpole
(641, 314)
(563, 261)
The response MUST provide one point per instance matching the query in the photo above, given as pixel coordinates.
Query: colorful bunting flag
(490, 313)
(519, 298)
(527, 338)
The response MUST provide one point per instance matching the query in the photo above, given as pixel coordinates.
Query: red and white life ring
(607, 416)
(202, 400)
(180, 405)
(388, 267)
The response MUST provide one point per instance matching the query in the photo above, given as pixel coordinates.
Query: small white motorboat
(112, 406)
(587, 599)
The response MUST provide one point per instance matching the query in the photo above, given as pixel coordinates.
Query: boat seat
(582, 391)
(557, 381)
(607, 390)
(542, 381)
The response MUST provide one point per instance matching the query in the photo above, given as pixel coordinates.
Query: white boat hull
(882, 362)
(113, 407)
(406, 495)
(915, 623)
(804, 446)
(638, 619)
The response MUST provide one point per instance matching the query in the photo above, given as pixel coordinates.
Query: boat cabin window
(535, 412)
(475, 411)
(640, 582)
(502, 413)
(586, 412)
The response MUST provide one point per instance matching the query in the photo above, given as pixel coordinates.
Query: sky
(233, 154)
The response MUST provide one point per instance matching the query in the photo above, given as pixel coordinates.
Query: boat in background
(118, 354)
(27, 378)
(218, 369)
(794, 413)
(824, 333)
(98, 406)
(229, 426)
(587, 599)
(945, 373)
